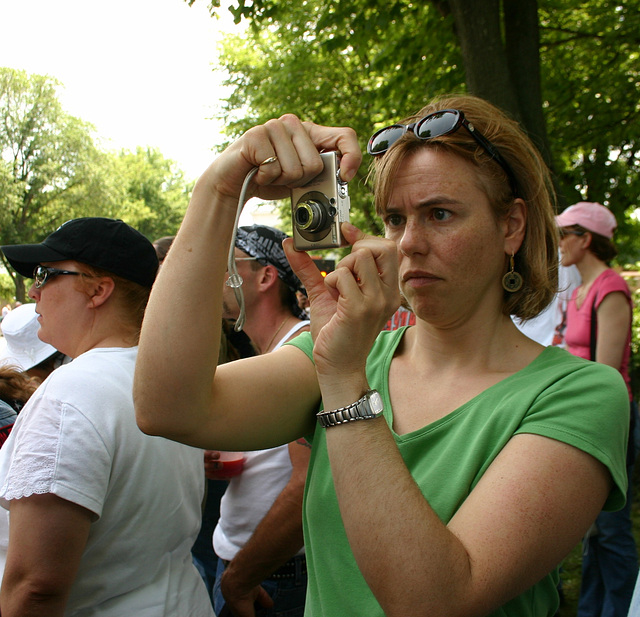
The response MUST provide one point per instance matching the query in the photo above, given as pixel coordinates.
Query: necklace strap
(266, 349)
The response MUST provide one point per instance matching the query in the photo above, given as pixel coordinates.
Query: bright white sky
(139, 70)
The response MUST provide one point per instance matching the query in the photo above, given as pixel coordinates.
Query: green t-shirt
(559, 396)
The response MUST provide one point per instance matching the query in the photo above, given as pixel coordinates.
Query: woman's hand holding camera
(352, 304)
(286, 152)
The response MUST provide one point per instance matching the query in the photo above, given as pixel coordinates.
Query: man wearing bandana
(259, 535)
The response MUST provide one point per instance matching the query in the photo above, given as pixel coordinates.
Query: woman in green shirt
(488, 461)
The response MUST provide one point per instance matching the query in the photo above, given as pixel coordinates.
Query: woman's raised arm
(174, 388)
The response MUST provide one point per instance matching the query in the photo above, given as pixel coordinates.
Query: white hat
(23, 347)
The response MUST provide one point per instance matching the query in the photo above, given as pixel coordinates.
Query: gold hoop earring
(512, 280)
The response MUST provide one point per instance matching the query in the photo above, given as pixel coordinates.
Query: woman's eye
(393, 220)
(439, 214)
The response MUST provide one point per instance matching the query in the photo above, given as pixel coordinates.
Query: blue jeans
(288, 595)
(609, 565)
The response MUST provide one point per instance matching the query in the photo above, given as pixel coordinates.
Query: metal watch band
(366, 408)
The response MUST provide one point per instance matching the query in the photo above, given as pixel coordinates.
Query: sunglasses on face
(433, 126)
(42, 274)
(570, 232)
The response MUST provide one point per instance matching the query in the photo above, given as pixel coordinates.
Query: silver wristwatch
(367, 408)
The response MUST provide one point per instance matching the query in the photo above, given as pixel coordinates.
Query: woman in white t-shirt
(102, 517)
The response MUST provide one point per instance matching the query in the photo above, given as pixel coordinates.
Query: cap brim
(25, 257)
(565, 220)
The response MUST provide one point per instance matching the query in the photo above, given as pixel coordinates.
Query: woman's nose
(413, 239)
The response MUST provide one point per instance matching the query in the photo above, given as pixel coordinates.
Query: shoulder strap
(594, 330)
(301, 324)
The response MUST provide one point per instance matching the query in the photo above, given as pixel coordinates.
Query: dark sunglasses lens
(437, 124)
(39, 276)
(384, 139)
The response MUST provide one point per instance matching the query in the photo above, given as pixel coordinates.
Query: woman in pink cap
(599, 328)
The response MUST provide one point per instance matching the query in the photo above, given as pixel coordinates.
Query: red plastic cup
(232, 464)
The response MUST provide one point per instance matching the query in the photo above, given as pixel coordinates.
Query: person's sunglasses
(435, 125)
(42, 274)
(570, 232)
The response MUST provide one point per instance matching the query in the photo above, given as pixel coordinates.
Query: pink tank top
(578, 332)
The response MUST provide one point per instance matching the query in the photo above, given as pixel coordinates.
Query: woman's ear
(515, 224)
(101, 290)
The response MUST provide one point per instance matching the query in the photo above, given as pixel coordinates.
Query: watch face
(375, 402)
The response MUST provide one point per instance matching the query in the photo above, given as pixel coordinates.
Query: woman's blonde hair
(131, 298)
(537, 259)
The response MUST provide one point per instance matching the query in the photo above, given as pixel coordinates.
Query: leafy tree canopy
(567, 70)
(156, 192)
(51, 170)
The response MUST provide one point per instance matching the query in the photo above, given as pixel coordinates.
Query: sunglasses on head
(42, 274)
(435, 125)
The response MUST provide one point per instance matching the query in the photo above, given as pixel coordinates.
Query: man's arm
(276, 539)
(47, 536)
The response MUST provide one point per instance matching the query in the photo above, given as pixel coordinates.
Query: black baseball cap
(109, 244)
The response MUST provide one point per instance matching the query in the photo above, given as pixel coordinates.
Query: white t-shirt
(250, 495)
(543, 327)
(77, 438)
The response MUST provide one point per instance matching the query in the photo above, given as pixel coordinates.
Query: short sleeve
(611, 282)
(303, 342)
(588, 409)
(57, 450)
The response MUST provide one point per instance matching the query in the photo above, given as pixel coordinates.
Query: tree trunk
(485, 61)
(21, 292)
(507, 75)
(522, 44)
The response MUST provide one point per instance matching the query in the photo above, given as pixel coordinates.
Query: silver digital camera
(318, 208)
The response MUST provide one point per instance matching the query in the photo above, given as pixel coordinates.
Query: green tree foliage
(564, 69)
(46, 155)
(51, 170)
(7, 289)
(156, 192)
(312, 63)
(591, 65)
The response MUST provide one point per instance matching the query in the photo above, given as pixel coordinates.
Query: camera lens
(312, 216)
(303, 216)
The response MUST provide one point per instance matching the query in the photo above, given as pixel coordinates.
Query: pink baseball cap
(591, 215)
